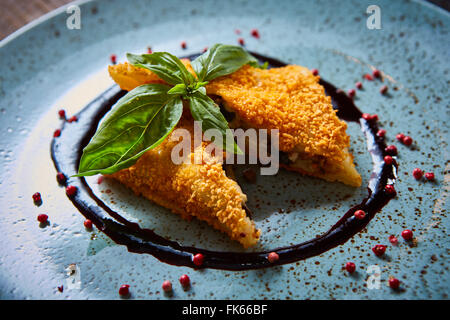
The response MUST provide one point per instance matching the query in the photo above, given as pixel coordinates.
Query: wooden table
(17, 13)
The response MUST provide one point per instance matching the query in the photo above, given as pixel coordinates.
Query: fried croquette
(289, 99)
(191, 189)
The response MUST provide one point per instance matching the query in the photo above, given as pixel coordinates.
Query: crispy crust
(192, 190)
(289, 99)
(331, 171)
(129, 77)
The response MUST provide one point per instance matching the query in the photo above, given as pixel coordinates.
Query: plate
(46, 66)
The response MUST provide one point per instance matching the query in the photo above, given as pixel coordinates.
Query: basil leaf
(138, 122)
(179, 89)
(263, 66)
(182, 90)
(205, 110)
(165, 65)
(221, 60)
(201, 90)
(198, 85)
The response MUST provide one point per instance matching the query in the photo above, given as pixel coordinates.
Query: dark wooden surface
(17, 13)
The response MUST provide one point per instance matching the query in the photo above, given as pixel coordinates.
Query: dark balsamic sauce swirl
(66, 152)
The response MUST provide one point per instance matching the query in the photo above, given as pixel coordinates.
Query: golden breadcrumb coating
(326, 169)
(289, 99)
(192, 190)
(129, 77)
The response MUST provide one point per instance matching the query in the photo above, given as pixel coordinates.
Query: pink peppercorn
(149, 50)
(388, 160)
(368, 77)
(370, 117)
(350, 267)
(384, 89)
(237, 31)
(57, 133)
(359, 85)
(61, 178)
(417, 173)
(407, 234)
(113, 59)
(72, 119)
(407, 141)
(42, 218)
(381, 133)
(273, 257)
(393, 240)
(391, 150)
(124, 289)
(88, 224)
(241, 41)
(62, 114)
(351, 93)
(198, 259)
(394, 283)
(389, 189)
(360, 214)
(366, 116)
(315, 72)
(205, 49)
(71, 190)
(37, 197)
(183, 44)
(255, 33)
(429, 176)
(376, 73)
(167, 286)
(400, 137)
(184, 280)
(379, 250)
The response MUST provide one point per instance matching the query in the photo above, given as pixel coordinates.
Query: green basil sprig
(164, 65)
(221, 60)
(146, 115)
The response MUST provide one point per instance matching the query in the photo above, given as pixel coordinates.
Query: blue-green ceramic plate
(46, 61)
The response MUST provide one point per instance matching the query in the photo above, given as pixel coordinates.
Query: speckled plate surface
(45, 61)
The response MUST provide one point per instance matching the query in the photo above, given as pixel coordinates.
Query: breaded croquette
(192, 190)
(291, 99)
(129, 77)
